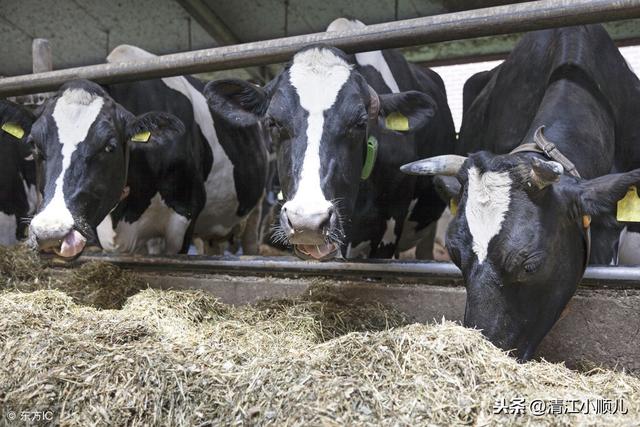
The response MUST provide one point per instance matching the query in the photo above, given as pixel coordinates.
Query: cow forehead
(74, 113)
(488, 197)
(317, 75)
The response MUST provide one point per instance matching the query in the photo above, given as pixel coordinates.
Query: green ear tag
(453, 207)
(629, 206)
(13, 129)
(141, 136)
(370, 160)
(397, 121)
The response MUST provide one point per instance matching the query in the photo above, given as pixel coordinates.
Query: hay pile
(183, 358)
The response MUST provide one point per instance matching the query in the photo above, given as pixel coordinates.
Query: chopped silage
(183, 358)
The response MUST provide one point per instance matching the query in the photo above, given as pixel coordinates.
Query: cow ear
(153, 127)
(600, 196)
(236, 101)
(406, 111)
(15, 120)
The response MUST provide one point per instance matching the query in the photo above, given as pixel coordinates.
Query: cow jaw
(318, 252)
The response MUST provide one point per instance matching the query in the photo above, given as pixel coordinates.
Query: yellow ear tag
(397, 121)
(453, 207)
(141, 136)
(629, 206)
(13, 129)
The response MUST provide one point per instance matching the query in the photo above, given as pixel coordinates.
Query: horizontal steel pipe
(520, 17)
(434, 272)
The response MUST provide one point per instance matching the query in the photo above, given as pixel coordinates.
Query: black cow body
(321, 110)
(520, 234)
(392, 212)
(18, 196)
(214, 172)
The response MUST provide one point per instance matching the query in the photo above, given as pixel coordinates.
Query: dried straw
(183, 358)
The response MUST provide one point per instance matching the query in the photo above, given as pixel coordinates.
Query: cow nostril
(286, 215)
(326, 223)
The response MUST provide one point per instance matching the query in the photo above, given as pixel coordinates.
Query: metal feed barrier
(430, 272)
(491, 21)
(519, 17)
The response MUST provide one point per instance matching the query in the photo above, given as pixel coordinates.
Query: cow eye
(532, 264)
(111, 145)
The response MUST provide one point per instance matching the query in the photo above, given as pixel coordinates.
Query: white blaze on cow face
(488, 197)
(317, 75)
(75, 111)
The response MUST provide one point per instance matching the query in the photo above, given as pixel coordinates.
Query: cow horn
(544, 173)
(374, 103)
(449, 164)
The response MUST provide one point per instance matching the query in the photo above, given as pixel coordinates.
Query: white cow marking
(629, 248)
(488, 200)
(317, 75)
(157, 221)
(389, 237)
(373, 58)
(75, 111)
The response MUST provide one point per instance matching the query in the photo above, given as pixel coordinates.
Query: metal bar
(434, 272)
(453, 26)
(623, 33)
(215, 27)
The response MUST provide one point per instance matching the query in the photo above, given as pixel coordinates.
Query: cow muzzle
(310, 230)
(62, 239)
(68, 246)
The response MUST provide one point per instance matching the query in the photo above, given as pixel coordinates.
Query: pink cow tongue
(72, 244)
(317, 251)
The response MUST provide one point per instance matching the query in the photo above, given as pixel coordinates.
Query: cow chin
(60, 235)
(322, 252)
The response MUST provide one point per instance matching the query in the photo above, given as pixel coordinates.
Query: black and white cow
(81, 141)
(520, 233)
(215, 165)
(321, 110)
(18, 195)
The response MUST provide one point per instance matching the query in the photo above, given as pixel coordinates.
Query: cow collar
(547, 148)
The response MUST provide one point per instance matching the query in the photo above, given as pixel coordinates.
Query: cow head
(320, 111)
(81, 141)
(18, 168)
(519, 237)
